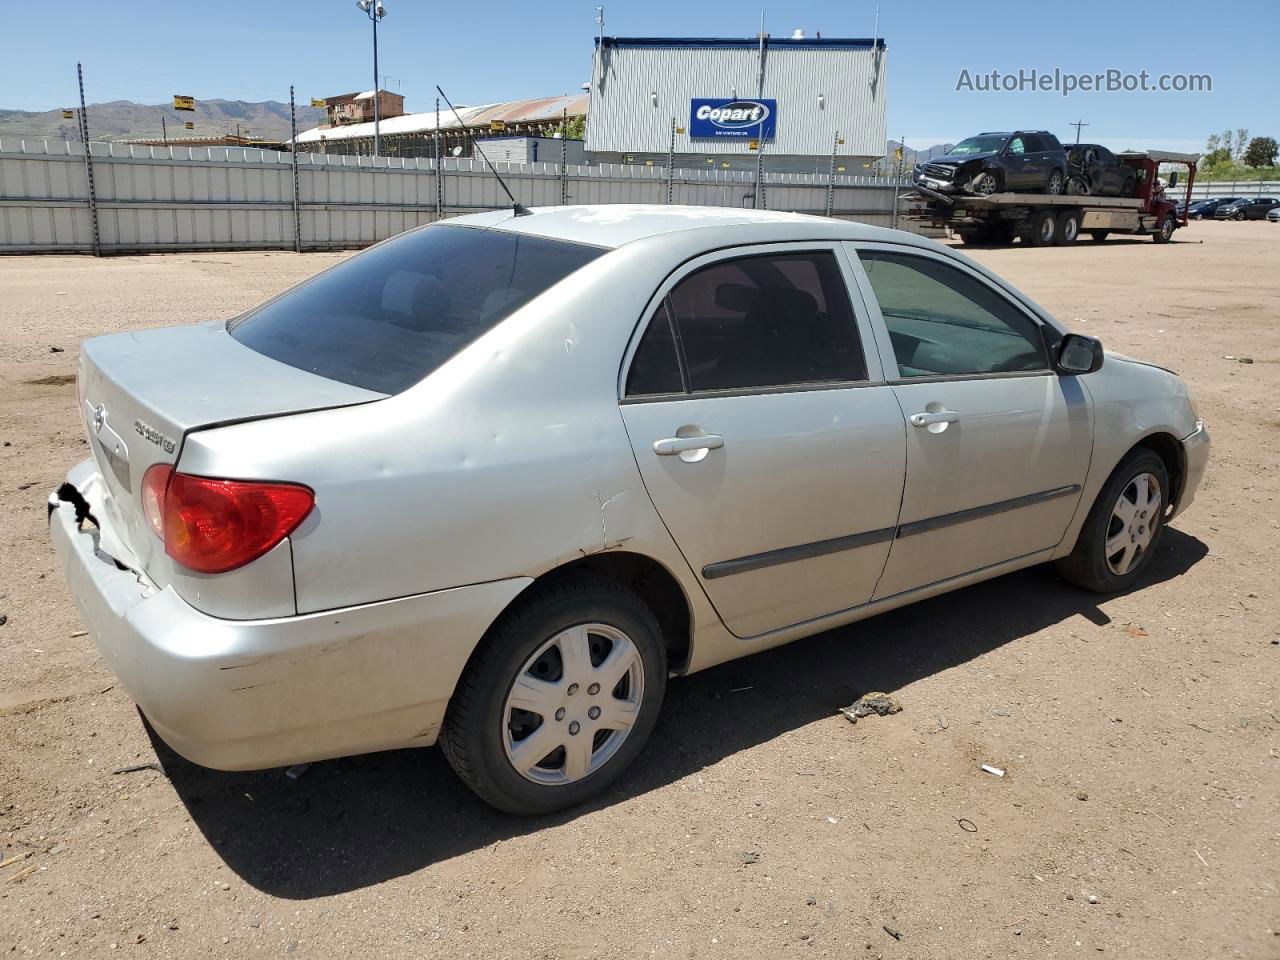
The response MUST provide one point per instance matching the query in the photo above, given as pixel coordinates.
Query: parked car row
(1235, 208)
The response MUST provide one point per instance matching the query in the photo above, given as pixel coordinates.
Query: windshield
(386, 318)
(990, 143)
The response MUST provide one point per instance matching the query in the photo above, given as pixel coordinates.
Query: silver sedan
(493, 481)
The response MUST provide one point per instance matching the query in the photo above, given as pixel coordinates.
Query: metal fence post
(897, 180)
(88, 165)
(671, 161)
(831, 175)
(438, 171)
(564, 158)
(297, 223)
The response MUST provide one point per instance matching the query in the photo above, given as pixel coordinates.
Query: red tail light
(212, 526)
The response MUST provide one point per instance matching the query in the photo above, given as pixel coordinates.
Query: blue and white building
(792, 98)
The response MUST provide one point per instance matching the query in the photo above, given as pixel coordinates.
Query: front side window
(388, 317)
(1016, 146)
(944, 322)
(761, 321)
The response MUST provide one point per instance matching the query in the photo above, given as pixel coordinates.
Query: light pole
(375, 11)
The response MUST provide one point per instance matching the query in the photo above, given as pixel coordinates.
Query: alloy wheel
(984, 184)
(573, 704)
(1055, 182)
(1133, 523)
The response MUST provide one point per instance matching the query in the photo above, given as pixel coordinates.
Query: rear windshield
(386, 318)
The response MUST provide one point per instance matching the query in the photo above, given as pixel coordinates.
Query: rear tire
(1118, 539)
(1068, 229)
(1129, 187)
(546, 670)
(1044, 229)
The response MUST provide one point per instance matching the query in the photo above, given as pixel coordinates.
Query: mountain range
(126, 120)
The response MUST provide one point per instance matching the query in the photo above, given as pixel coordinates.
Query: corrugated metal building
(795, 96)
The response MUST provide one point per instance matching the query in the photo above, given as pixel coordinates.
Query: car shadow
(351, 823)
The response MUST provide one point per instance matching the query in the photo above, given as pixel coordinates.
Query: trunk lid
(141, 393)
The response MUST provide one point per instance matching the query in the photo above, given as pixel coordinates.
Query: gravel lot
(1141, 733)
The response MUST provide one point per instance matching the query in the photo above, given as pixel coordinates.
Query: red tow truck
(1044, 219)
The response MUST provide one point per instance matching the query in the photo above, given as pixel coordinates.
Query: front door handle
(939, 416)
(672, 446)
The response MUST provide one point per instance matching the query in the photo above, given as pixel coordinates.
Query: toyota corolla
(492, 482)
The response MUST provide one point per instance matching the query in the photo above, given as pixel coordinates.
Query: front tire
(559, 699)
(984, 184)
(1122, 529)
(1164, 232)
(1055, 184)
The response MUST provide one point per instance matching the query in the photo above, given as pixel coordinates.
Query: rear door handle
(940, 416)
(671, 446)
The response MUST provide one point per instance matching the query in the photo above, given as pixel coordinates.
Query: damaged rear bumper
(249, 694)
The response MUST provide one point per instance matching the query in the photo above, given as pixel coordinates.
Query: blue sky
(498, 50)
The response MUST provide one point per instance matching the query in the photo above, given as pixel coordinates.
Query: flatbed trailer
(1058, 219)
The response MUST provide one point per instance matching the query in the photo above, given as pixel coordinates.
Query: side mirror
(1078, 354)
(1173, 179)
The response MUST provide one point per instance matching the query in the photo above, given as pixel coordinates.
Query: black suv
(1025, 160)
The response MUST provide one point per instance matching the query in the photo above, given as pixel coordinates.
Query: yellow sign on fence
(191, 125)
(318, 103)
(497, 126)
(68, 114)
(183, 103)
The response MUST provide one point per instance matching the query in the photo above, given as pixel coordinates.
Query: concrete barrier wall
(229, 198)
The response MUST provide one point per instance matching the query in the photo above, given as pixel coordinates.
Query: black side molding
(804, 551)
(987, 510)
(820, 548)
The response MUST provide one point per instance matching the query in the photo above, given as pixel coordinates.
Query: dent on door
(785, 505)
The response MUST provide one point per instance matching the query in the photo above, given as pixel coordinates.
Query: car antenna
(517, 208)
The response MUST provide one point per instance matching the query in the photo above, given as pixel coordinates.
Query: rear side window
(944, 322)
(761, 321)
(388, 317)
(1034, 142)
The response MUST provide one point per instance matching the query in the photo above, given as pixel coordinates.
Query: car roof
(615, 224)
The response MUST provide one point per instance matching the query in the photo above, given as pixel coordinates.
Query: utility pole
(375, 12)
(1078, 124)
(164, 130)
(88, 164)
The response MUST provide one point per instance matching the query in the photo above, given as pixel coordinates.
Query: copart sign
(748, 119)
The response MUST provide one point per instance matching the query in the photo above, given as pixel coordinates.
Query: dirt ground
(1140, 733)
